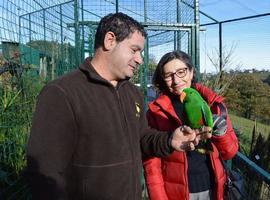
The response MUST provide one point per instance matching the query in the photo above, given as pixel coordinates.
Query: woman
(189, 174)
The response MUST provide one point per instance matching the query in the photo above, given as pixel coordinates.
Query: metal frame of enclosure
(174, 26)
(41, 40)
(221, 24)
(55, 38)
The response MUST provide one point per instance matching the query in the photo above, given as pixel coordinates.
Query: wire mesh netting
(155, 15)
(43, 39)
(36, 46)
(168, 23)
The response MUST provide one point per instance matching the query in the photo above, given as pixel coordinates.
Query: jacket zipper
(186, 176)
(125, 128)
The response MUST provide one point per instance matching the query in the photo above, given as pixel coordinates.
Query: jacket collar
(87, 68)
(164, 104)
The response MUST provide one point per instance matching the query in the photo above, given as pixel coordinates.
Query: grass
(245, 127)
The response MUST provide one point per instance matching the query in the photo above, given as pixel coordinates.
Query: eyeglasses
(180, 73)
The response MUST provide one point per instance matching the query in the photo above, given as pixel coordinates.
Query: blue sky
(251, 41)
(251, 38)
(229, 9)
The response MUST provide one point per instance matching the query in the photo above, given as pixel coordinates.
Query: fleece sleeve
(153, 142)
(51, 143)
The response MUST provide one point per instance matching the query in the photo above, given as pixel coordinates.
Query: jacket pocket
(111, 181)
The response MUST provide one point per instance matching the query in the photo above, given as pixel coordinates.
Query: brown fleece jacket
(87, 137)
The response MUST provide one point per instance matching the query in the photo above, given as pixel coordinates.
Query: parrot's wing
(205, 146)
(207, 115)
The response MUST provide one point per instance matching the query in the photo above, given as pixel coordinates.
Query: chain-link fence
(170, 25)
(36, 46)
(41, 40)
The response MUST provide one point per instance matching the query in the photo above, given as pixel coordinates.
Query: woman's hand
(220, 125)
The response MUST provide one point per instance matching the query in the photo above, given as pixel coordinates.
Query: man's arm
(183, 138)
(51, 144)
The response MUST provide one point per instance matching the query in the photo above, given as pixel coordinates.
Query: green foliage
(260, 75)
(249, 97)
(267, 80)
(11, 141)
(245, 93)
(16, 108)
(244, 129)
(62, 55)
(218, 82)
(260, 155)
(136, 76)
(8, 98)
(138, 73)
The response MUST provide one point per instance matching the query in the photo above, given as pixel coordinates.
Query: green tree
(249, 97)
(151, 67)
(267, 80)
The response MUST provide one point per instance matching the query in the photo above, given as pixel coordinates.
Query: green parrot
(197, 114)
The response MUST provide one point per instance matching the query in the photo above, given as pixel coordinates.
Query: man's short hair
(120, 24)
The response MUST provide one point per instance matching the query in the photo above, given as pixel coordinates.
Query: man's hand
(203, 133)
(183, 139)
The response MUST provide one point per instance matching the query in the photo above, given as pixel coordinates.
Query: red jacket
(166, 178)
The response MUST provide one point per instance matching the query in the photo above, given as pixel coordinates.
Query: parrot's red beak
(182, 97)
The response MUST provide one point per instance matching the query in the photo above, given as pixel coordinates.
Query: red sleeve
(154, 179)
(152, 171)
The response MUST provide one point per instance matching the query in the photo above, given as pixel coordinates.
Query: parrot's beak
(182, 97)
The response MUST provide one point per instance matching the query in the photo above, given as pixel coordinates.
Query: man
(89, 127)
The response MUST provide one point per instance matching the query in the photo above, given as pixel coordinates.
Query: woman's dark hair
(158, 80)
(120, 24)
